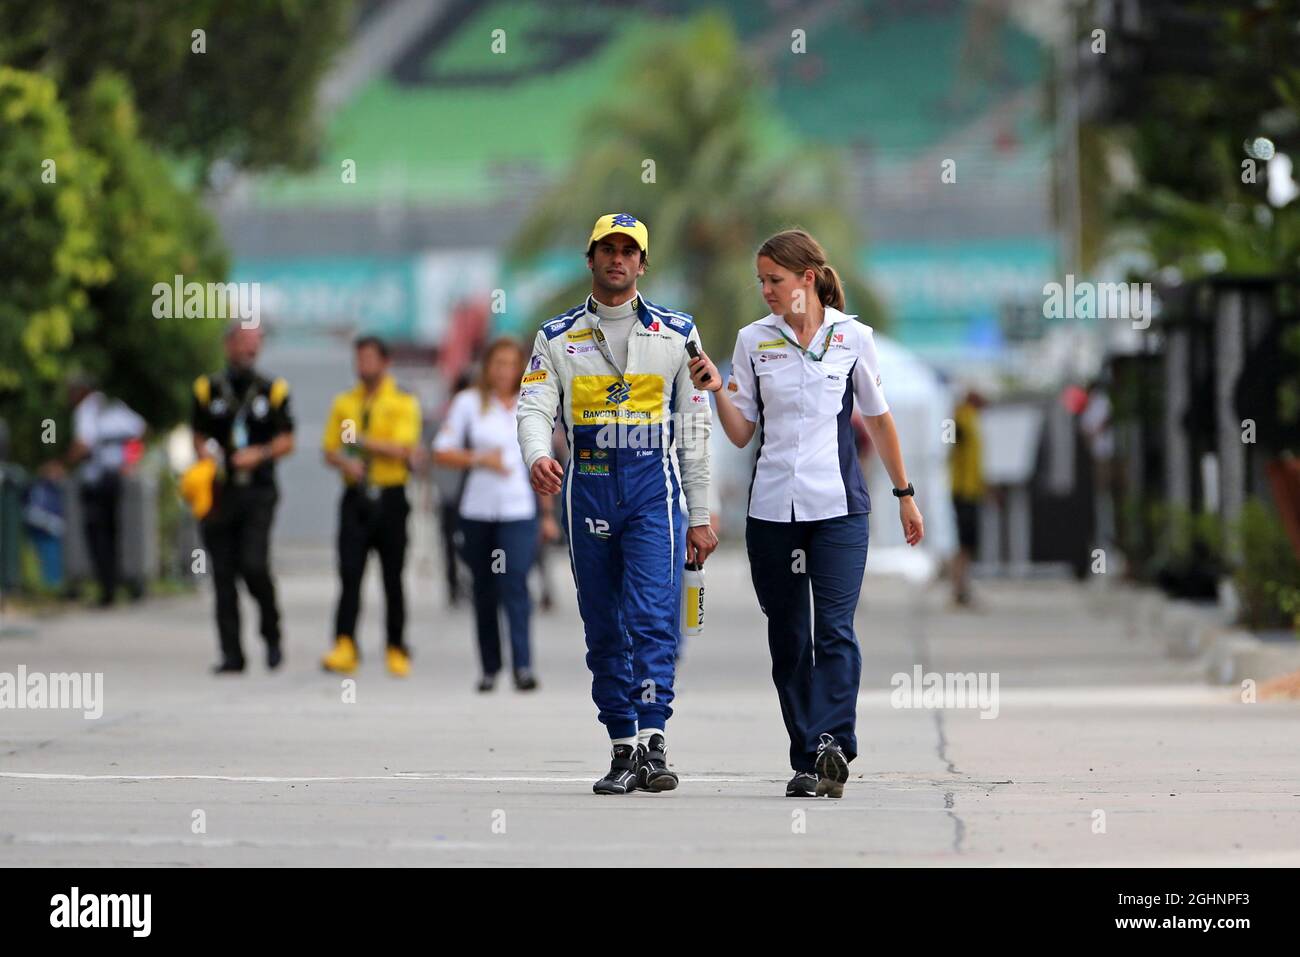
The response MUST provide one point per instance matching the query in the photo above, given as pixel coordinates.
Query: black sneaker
(274, 657)
(802, 785)
(228, 668)
(832, 768)
(652, 771)
(525, 680)
(487, 683)
(621, 778)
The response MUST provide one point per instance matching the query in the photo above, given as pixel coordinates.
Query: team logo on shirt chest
(617, 393)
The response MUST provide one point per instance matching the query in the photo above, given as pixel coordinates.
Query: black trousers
(816, 661)
(379, 524)
(237, 535)
(99, 504)
(448, 519)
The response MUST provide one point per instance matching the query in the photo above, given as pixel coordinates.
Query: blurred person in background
(243, 420)
(106, 436)
(499, 514)
(449, 484)
(966, 478)
(372, 430)
(614, 370)
(798, 371)
(1095, 422)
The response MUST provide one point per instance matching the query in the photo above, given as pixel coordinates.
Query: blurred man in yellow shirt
(966, 475)
(372, 430)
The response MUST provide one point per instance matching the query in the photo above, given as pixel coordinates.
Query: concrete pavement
(280, 769)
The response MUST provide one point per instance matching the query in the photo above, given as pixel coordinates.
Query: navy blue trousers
(500, 580)
(816, 662)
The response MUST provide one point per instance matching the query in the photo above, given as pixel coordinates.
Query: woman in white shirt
(498, 510)
(794, 378)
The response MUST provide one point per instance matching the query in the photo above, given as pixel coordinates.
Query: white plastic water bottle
(692, 599)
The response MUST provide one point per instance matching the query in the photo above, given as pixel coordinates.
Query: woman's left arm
(885, 438)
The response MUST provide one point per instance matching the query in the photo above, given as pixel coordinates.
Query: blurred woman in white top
(498, 509)
(795, 376)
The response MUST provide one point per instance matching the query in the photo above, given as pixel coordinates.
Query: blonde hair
(796, 250)
(483, 385)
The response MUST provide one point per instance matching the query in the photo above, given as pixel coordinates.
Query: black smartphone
(694, 352)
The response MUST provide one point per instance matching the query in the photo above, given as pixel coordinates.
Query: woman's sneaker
(652, 771)
(622, 772)
(802, 785)
(832, 768)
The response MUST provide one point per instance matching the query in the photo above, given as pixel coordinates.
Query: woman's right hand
(491, 459)
(702, 368)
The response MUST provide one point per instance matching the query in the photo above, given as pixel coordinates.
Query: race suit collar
(638, 303)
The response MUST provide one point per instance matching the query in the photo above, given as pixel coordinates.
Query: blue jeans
(816, 662)
(500, 580)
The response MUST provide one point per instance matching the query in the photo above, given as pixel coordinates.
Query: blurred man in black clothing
(246, 415)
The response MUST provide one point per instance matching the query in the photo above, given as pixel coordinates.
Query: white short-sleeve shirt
(489, 496)
(104, 426)
(807, 467)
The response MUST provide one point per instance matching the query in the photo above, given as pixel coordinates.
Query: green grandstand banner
(325, 294)
(406, 299)
(946, 295)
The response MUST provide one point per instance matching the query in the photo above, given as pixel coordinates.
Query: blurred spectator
(372, 430)
(449, 484)
(242, 419)
(105, 441)
(498, 510)
(967, 479)
(1095, 421)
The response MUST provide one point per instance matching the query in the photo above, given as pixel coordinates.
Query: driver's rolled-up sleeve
(539, 403)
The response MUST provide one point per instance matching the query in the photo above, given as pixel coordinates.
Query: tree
(249, 98)
(50, 251)
(92, 221)
(1227, 75)
(716, 189)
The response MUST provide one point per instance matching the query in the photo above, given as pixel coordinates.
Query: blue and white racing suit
(638, 441)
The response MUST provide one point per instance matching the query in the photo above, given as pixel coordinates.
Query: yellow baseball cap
(621, 223)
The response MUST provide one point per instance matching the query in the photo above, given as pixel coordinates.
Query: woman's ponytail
(796, 250)
(829, 289)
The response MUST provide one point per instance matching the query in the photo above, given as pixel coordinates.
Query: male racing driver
(615, 370)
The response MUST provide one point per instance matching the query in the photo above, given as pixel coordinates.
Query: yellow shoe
(399, 663)
(343, 659)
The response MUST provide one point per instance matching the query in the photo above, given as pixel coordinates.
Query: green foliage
(50, 249)
(689, 103)
(1268, 578)
(152, 230)
(79, 257)
(1187, 560)
(249, 99)
(1184, 197)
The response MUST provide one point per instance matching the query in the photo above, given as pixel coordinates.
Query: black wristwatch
(901, 492)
